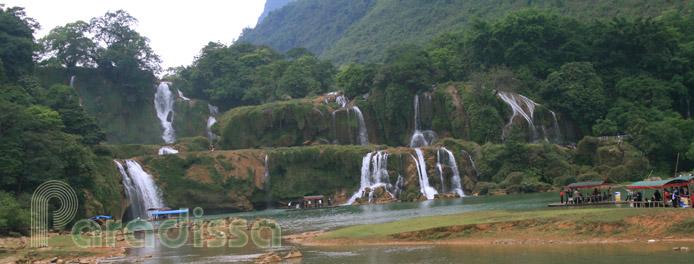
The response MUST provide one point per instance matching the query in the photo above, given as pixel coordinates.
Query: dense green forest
(613, 76)
(45, 133)
(361, 31)
(611, 68)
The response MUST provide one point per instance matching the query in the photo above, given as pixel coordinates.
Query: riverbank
(560, 226)
(59, 249)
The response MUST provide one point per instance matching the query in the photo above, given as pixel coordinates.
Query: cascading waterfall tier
(164, 104)
(374, 174)
(180, 95)
(72, 81)
(210, 121)
(523, 107)
(424, 186)
(140, 188)
(267, 173)
(362, 135)
(167, 150)
(421, 137)
(449, 160)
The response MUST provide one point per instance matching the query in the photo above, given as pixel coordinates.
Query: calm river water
(329, 219)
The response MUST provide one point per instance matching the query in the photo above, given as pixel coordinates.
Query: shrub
(12, 217)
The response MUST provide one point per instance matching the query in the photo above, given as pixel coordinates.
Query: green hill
(360, 31)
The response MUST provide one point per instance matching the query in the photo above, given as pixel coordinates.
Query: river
(333, 218)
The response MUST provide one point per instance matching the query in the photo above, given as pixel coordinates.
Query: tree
(13, 217)
(645, 91)
(16, 42)
(577, 91)
(409, 66)
(69, 44)
(65, 100)
(356, 79)
(120, 47)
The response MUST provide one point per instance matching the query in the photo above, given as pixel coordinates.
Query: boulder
(270, 257)
(294, 254)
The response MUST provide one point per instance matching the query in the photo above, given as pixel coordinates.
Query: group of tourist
(309, 204)
(577, 197)
(671, 197)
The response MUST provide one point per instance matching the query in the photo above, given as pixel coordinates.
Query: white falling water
(211, 120)
(167, 150)
(164, 104)
(398, 185)
(267, 172)
(456, 187)
(472, 163)
(363, 134)
(374, 174)
(342, 100)
(424, 186)
(362, 137)
(421, 138)
(141, 189)
(439, 169)
(72, 81)
(130, 191)
(180, 94)
(524, 107)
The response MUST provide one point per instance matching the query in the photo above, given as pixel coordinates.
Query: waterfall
(130, 192)
(421, 138)
(342, 100)
(268, 204)
(164, 103)
(267, 173)
(456, 187)
(525, 108)
(140, 188)
(472, 163)
(374, 174)
(72, 81)
(363, 135)
(335, 140)
(424, 186)
(180, 94)
(439, 169)
(167, 150)
(398, 185)
(210, 121)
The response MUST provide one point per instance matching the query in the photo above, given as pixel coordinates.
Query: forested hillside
(361, 31)
(272, 5)
(524, 100)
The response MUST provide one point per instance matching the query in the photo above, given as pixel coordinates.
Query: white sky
(177, 30)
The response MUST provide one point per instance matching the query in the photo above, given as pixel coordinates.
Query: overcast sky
(177, 29)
